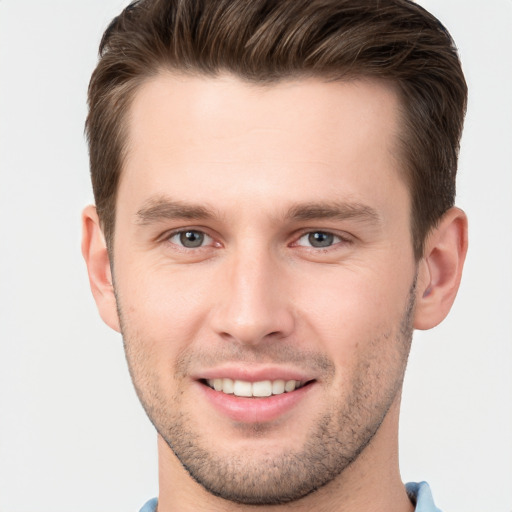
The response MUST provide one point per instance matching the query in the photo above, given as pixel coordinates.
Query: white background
(72, 434)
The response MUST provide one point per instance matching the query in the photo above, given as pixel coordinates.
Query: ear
(94, 250)
(440, 269)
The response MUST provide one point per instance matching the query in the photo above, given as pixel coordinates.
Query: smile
(260, 389)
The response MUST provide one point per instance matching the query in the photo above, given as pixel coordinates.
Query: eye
(191, 239)
(319, 239)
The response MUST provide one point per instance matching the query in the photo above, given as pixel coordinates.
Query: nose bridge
(253, 303)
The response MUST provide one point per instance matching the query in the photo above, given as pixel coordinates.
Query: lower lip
(255, 410)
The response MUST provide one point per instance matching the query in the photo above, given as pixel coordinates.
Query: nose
(253, 304)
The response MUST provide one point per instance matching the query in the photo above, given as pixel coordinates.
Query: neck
(371, 483)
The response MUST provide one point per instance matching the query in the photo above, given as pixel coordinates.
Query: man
(274, 186)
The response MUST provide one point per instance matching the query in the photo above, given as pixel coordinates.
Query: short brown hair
(264, 41)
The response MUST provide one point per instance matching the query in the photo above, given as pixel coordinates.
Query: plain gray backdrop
(72, 434)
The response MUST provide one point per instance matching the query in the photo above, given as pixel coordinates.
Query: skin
(253, 172)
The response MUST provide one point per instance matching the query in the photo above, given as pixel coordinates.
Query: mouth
(259, 389)
(270, 396)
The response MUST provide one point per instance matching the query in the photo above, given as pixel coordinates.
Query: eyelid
(342, 238)
(168, 235)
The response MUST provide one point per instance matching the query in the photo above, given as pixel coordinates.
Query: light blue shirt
(422, 496)
(150, 506)
(419, 494)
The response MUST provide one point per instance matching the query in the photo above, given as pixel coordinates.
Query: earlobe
(94, 251)
(440, 269)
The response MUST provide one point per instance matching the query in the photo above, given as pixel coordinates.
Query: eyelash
(337, 239)
(168, 238)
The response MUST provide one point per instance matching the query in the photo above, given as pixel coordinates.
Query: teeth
(289, 386)
(278, 387)
(261, 388)
(242, 388)
(228, 386)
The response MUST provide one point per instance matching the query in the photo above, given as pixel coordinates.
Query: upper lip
(253, 374)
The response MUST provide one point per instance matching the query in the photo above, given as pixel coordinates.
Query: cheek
(161, 316)
(347, 299)
(162, 298)
(351, 313)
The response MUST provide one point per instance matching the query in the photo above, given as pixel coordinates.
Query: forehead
(297, 137)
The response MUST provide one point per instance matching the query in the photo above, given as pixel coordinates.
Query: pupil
(319, 239)
(191, 239)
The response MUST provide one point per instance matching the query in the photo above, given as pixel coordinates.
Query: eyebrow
(334, 211)
(164, 208)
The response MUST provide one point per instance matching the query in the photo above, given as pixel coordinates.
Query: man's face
(262, 244)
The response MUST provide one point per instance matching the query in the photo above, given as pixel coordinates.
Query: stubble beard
(337, 439)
